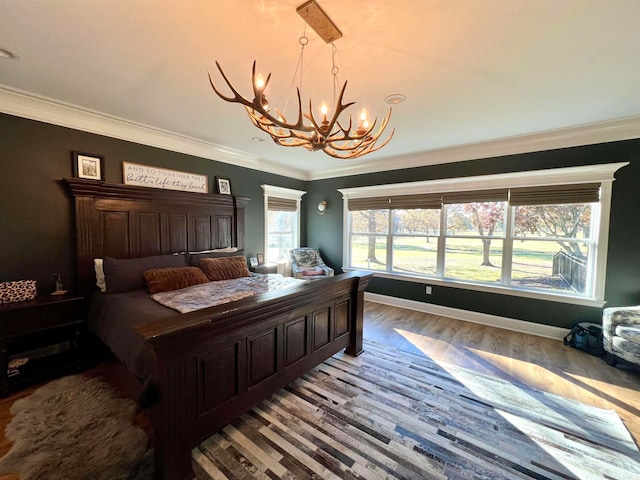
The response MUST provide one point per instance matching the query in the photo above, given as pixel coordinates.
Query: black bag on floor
(587, 337)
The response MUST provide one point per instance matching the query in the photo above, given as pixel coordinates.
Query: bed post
(172, 443)
(357, 321)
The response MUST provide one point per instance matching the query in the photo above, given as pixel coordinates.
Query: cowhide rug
(76, 428)
(389, 414)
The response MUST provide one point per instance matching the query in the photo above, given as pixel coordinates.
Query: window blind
(477, 196)
(545, 195)
(282, 204)
(431, 200)
(555, 194)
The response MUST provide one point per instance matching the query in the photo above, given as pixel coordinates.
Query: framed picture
(223, 186)
(260, 258)
(87, 165)
(253, 261)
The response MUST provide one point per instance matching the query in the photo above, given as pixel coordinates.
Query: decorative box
(17, 291)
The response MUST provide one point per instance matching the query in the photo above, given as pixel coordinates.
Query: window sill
(538, 295)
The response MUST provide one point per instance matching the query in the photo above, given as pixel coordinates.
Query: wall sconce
(322, 207)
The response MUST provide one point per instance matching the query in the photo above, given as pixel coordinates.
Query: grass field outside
(532, 261)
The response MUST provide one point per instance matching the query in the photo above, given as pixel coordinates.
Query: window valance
(542, 195)
(555, 194)
(276, 204)
(397, 202)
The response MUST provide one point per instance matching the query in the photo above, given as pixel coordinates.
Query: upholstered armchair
(621, 334)
(306, 263)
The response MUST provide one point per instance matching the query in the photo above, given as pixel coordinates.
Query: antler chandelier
(328, 134)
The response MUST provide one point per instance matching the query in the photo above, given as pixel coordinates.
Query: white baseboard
(521, 326)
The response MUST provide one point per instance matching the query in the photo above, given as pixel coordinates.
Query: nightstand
(40, 338)
(265, 268)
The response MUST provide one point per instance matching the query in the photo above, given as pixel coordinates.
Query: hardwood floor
(539, 362)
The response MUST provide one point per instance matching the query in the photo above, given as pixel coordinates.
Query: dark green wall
(623, 264)
(37, 236)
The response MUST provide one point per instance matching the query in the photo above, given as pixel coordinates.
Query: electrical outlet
(428, 290)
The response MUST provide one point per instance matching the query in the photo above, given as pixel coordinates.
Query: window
(369, 233)
(552, 246)
(415, 240)
(510, 233)
(474, 235)
(474, 241)
(282, 221)
(554, 231)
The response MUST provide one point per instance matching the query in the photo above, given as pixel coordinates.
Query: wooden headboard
(124, 221)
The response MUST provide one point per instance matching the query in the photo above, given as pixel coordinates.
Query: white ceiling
(481, 77)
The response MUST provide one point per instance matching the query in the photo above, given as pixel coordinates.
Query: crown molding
(47, 110)
(282, 192)
(534, 178)
(590, 134)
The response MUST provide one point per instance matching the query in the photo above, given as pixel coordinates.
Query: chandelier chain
(303, 41)
(334, 71)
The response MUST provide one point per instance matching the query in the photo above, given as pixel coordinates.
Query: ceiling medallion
(327, 134)
(395, 99)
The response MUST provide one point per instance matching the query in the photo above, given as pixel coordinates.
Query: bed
(211, 365)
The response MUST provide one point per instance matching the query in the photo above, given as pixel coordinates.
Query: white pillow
(100, 281)
(226, 249)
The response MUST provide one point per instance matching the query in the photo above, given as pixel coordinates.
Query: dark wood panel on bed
(296, 343)
(342, 318)
(212, 364)
(218, 376)
(125, 221)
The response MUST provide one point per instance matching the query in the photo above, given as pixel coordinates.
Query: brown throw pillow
(225, 268)
(167, 279)
(195, 257)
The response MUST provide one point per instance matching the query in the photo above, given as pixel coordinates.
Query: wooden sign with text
(147, 176)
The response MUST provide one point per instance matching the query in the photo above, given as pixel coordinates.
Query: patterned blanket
(224, 291)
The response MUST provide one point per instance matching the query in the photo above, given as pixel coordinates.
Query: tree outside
(371, 222)
(475, 238)
(561, 222)
(484, 219)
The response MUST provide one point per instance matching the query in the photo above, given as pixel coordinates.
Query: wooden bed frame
(213, 364)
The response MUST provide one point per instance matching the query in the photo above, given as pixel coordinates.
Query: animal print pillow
(18, 291)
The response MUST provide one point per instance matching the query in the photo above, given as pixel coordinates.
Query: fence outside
(573, 269)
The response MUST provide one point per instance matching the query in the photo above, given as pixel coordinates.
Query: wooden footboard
(217, 363)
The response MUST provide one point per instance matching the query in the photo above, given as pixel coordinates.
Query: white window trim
(281, 192)
(603, 173)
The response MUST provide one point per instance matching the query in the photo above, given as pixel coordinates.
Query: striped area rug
(391, 414)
